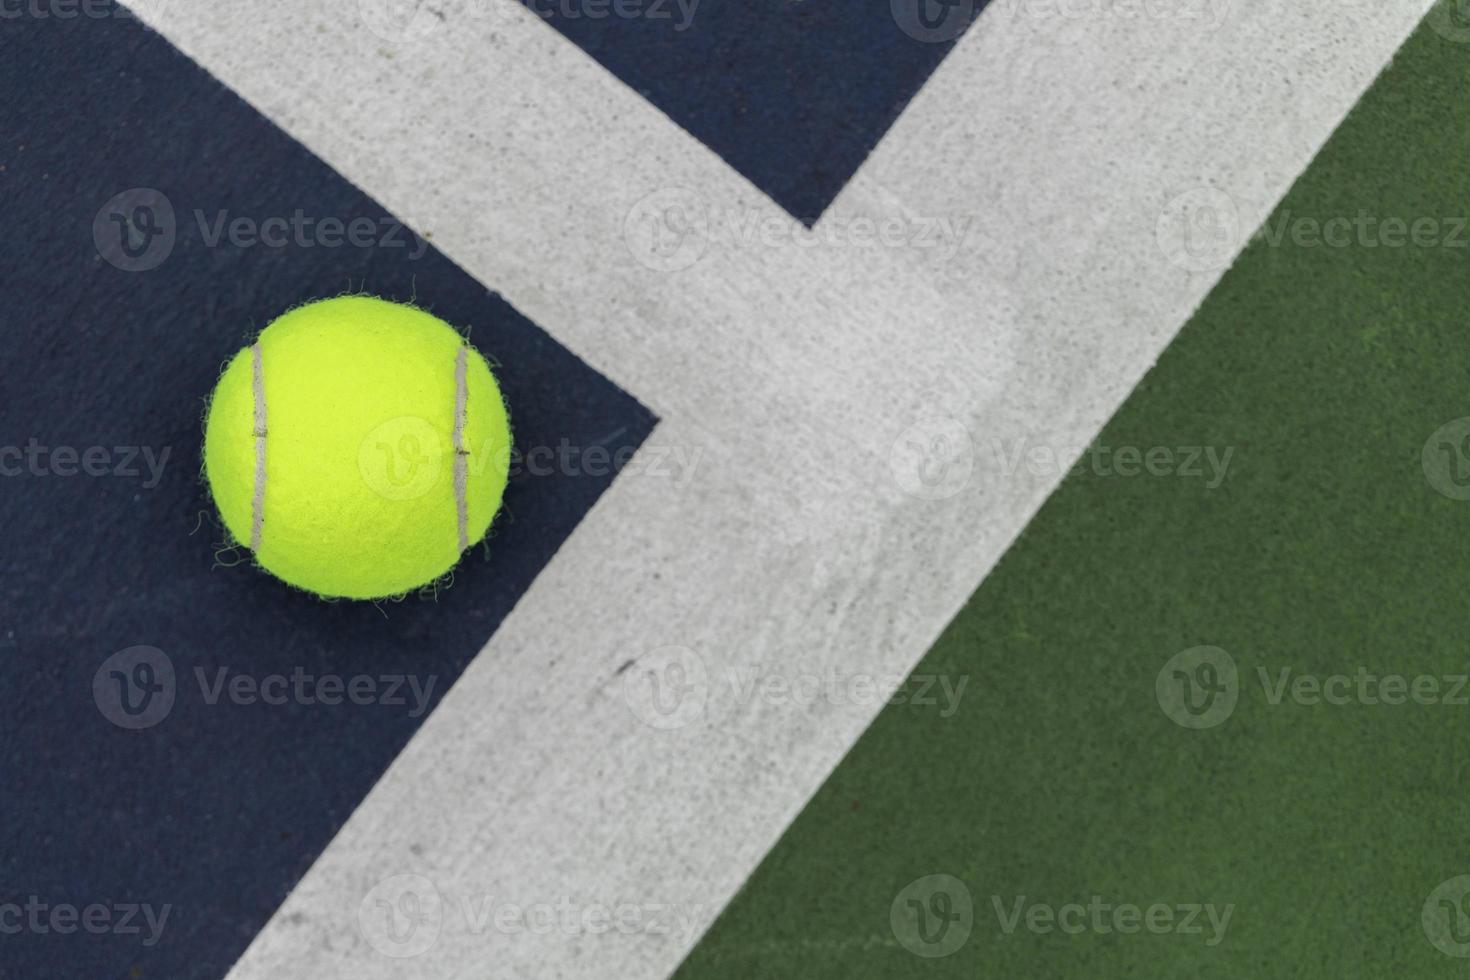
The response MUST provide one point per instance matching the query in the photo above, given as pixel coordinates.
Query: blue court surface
(802, 309)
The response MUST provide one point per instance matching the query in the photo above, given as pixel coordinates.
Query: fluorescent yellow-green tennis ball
(357, 448)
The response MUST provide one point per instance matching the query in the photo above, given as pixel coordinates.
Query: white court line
(796, 372)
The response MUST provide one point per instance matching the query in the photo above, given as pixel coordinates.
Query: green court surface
(1094, 759)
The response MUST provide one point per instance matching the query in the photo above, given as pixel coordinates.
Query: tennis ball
(357, 448)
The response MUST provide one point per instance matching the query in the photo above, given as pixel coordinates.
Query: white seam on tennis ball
(257, 505)
(461, 455)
